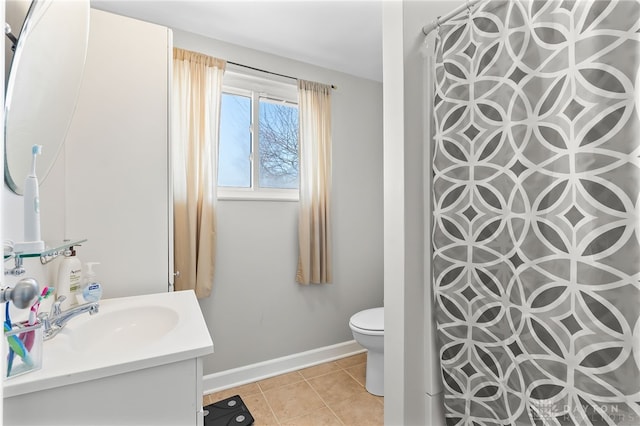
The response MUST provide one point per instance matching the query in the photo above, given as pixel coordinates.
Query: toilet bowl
(368, 330)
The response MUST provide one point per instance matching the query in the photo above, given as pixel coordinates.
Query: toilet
(368, 330)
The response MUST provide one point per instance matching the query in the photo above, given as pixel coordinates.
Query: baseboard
(262, 370)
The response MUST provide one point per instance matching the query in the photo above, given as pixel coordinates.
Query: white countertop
(64, 364)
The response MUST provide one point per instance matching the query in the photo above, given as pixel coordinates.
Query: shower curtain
(536, 182)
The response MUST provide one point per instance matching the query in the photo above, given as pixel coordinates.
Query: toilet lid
(369, 319)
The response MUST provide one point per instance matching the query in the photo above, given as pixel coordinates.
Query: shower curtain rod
(442, 19)
(269, 72)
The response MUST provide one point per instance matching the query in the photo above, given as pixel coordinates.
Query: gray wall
(256, 310)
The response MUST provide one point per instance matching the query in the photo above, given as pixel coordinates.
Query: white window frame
(242, 82)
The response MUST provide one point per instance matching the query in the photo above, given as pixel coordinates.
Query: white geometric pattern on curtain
(314, 220)
(536, 194)
(197, 89)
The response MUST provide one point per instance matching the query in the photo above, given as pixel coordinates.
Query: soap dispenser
(69, 279)
(91, 289)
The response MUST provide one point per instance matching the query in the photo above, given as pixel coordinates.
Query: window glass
(258, 148)
(278, 145)
(234, 150)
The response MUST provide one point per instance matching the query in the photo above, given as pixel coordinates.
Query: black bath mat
(228, 412)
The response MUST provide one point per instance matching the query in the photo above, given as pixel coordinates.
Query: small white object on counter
(69, 279)
(91, 289)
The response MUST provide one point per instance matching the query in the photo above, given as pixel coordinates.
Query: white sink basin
(124, 328)
(127, 334)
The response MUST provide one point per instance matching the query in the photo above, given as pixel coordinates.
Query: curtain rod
(442, 19)
(268, 72)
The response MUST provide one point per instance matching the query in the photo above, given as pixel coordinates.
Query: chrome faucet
(55, 321)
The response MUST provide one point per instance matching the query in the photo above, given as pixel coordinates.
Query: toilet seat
(369, 321)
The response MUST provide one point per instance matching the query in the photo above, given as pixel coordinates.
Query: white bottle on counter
(69, 279)
(91, 289)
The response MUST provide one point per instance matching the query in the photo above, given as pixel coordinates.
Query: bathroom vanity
(137, 362)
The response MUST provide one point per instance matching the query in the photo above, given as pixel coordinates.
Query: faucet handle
(56, 308)
(44, 319)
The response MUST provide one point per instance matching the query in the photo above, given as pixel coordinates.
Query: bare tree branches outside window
(272, 142)
(278, 145)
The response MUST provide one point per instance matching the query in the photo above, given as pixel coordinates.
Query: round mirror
(43, 85)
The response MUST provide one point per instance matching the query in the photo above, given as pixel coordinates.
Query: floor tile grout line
(323, 401)
(363, 388)
(312, 388)
(345, 369)
(354, 377)
(307, 380)
(264, 396)
(273, 413)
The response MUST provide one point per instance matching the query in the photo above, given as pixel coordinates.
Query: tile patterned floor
(326, 394)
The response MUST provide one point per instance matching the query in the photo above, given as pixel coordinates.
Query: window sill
(262, 195)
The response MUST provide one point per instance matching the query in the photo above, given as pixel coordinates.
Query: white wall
(117, 156)
(394, 227)
(109, 182)
(412, 382)
(257, 311)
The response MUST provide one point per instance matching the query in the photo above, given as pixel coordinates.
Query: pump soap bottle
(91, 289)
(69, 279)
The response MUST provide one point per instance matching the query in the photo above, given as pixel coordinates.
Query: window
(258, 150)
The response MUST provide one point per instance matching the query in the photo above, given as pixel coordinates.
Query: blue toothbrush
(7, 325)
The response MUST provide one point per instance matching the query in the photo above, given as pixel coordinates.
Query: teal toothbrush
(16, 345)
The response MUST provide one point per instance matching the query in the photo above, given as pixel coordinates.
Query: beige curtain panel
(197, 88)
(314, 221)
